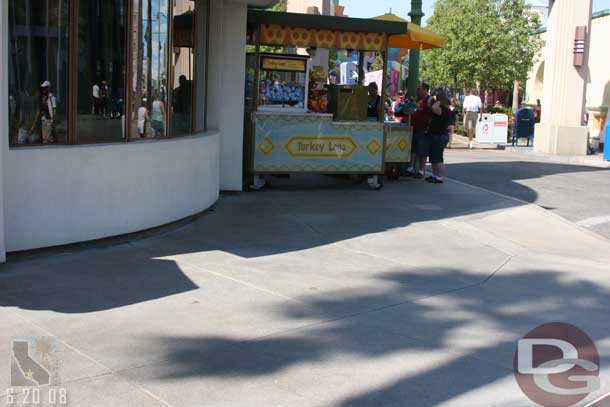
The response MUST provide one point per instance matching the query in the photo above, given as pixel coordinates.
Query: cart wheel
(375, 182)
(258, 183)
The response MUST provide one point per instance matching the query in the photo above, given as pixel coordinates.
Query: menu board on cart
(283, 64)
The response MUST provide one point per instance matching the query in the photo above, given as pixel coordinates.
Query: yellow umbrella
(416, 36)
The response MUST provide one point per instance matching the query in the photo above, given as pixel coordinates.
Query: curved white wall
(65, 194)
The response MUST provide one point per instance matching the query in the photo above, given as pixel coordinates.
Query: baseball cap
(46, 84)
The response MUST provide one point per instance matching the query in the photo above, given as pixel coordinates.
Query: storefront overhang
(258, 3)
(307, 30)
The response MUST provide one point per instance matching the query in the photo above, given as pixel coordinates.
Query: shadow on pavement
(502, 176)
(477, 325)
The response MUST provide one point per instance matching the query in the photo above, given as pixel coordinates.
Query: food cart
(296, 122)
(399, 135)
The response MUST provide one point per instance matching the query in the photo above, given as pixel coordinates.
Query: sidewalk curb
(568, 160)
(538, 208)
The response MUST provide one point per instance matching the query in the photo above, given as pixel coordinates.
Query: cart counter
(299, 142)
(399, 138)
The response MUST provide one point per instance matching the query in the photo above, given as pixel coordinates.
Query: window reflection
(38, 66)
(164, 83)
(182, 63)
(200, 40)
(150, 73)
(101, 70)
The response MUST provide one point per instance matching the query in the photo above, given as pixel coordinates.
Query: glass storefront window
(38, 71)
(92, 71)
(101, 70)
(149, 67)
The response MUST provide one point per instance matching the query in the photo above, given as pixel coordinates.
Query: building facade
(116, 115)
(598, 74)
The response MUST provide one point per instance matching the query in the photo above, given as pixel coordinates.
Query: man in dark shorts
(420, 120)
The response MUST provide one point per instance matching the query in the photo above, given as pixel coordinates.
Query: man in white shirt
(473, 112)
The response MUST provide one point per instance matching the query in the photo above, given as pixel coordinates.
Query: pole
(416, 15)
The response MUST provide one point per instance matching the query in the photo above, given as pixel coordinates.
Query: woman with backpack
(438, 133)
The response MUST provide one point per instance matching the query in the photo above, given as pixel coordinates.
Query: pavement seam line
(238, 281)
(110, 371)
(235, 280)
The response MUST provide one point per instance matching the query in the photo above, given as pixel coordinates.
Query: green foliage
(377, 64)
(279, 6)
(488, 41)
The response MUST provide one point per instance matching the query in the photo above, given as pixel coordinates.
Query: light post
(416, 15)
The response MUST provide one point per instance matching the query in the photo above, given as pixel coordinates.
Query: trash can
(523, 126)
(484, 128)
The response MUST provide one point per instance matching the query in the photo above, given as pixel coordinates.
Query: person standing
(473, 113)
(373, 102)
(103, 98)
(537, 111)
(452, 120)
(47, 105)
(438, 134)
(420, 120)
(28, 116)
(157, 117)
(143, 117)
(95, 93)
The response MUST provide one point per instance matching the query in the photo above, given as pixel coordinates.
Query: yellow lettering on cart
(281, 64)
(321, 146)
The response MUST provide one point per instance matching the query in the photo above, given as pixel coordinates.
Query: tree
(488, 41)
(377, 64)
(279, 6)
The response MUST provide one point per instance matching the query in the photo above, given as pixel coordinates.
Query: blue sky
(368, 8)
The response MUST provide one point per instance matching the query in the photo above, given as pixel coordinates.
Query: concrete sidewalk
(329, 296)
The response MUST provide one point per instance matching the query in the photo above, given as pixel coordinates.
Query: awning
(307, 30)
(416, 36)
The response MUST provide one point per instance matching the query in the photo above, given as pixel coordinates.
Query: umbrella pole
(416, 15)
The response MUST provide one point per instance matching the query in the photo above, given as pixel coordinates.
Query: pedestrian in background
(438, 135)
(473, 113)
(420, 120)
(143, 117)
(452, 120)
(158, 116)
(537, 111)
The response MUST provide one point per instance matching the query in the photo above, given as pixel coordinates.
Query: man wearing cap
(47, 112)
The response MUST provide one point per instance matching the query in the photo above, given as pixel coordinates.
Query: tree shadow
(477, 326)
